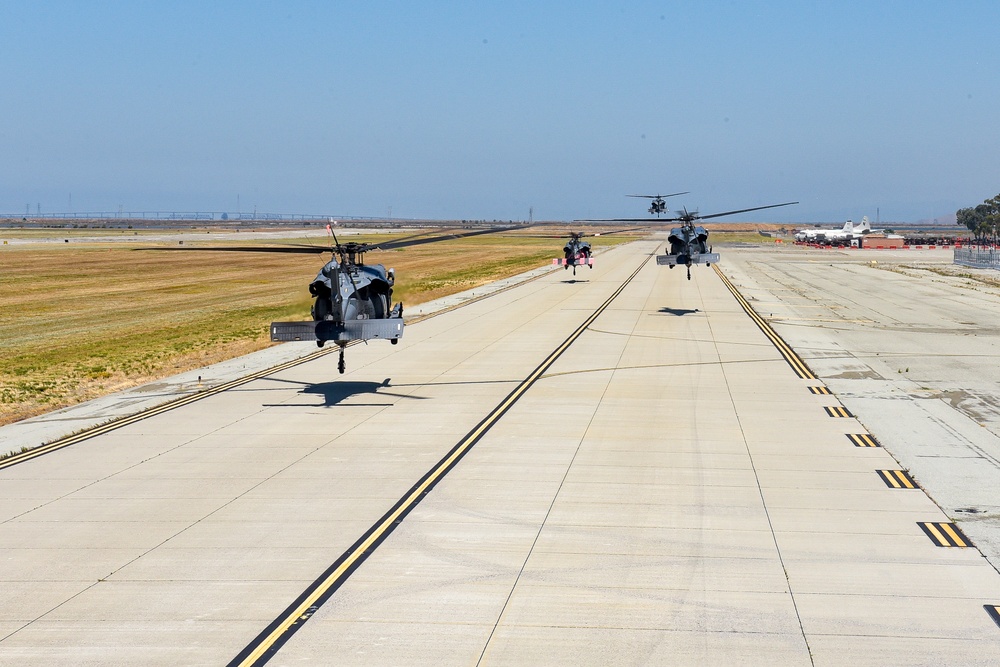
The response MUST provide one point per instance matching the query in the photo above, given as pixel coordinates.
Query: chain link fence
(978, 257)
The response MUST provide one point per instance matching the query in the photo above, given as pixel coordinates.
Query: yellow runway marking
(945, 534)
(268, 642)
(863, 440)
(897, 479)
(784, 349)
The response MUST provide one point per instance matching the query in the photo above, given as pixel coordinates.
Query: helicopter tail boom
(387, 328)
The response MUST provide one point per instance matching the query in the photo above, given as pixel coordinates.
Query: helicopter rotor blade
(405, 242)
(658, 196)
(302, 249)
(743, 210)
(688, 216)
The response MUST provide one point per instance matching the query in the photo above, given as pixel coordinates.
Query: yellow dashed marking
(897, 479)
(863, 440)
(945, 534)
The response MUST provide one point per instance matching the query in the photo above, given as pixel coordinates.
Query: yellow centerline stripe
(443, 466)
(377, 534)
(784, 349)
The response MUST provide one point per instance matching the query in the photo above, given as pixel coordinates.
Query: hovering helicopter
(352, 299)
(577, 253)
(657, 206)
(689, 243)
(352, 303)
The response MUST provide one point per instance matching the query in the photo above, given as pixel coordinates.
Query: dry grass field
(84, 319)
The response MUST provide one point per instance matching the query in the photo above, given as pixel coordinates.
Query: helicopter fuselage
(688, 245)
(575, 253)
(363, 292)
(353, 302)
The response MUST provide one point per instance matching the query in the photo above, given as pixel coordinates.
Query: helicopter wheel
(341, 366)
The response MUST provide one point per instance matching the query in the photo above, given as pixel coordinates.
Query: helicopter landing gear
(320, 343)
(341, 366)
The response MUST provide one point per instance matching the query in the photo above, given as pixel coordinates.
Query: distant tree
(982, 220)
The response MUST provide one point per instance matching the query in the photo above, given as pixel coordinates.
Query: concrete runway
(667, 491)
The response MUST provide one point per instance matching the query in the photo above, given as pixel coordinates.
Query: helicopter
(657, 206)
(577, 253)
(689, 243)
(352, 303)
(353, 300)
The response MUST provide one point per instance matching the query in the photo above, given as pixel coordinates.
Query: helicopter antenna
(333, 234)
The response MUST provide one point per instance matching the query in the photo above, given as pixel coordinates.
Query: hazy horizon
(441, 111)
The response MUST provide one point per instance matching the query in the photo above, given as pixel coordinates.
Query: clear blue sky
(482, 110)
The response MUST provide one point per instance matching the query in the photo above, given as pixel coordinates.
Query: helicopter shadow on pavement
(335, 393)
(677, 311)
(573, 281)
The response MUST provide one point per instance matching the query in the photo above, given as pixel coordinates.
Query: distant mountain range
(946, 219)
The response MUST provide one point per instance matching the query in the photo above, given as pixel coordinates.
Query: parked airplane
(848, 232)
(848, 235)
